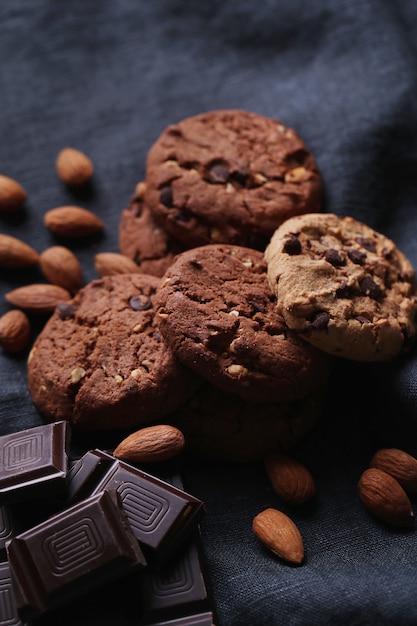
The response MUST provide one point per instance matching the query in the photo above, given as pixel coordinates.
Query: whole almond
(151, 444)
(38, 298)
(399, 464)
(74, 167)
(61, 267)
(72, 222)
(12, 194)
(111, 263)
(279, 534)
(383, 496)
(15, 331)
(16, 254)
(289, 478)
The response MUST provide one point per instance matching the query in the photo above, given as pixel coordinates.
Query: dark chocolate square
(34, 462)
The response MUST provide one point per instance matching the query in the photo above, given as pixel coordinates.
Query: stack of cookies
(245, 296)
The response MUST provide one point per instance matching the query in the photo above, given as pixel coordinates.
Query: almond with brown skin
(61, 267)
(151, 444)
(72, 222)
(16, 254)
(74, 167)
(383, 496)
(12, 194)
(289, 478)
(38, 298)
(399, 464)
(15, 331)
(111, 263)
(279, 534)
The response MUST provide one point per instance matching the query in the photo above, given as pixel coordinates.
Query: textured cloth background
(107, 76)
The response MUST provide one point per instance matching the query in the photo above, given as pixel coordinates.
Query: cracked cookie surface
(219, 316)
(343, 286)
(230, 176)
(100, 361)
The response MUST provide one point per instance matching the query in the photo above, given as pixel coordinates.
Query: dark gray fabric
(107, 77)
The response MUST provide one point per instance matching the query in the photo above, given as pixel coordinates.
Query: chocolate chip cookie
(100, 362)
(344, 287)
(142, 239)
(223, 426)
(217, 313)
(230, 176)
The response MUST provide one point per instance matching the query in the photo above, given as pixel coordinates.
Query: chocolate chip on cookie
(344, 287)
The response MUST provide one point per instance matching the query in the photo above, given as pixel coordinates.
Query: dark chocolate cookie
(230, 176)
(343, 287)
(100, 362)
(218, 315)
(223, 426)
(142, 239)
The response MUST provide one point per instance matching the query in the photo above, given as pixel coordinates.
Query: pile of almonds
(384, 487)
(59, 265)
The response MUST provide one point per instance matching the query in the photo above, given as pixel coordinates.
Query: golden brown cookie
(229, 176)
(100, 361)
(344, 287)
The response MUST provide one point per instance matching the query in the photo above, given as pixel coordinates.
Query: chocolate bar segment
(176, 590)
(9, 527)
(72, 553)
(34, 462)
(161, 516)
(8, 610)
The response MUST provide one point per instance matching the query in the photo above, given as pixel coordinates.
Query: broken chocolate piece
(34, 462)
(161, 515)
(72, 553)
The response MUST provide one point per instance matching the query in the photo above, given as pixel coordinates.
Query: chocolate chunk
(72, 553)
(161, 516)
(182, 217)
(34, 462)
(367, 243)
(292, 245)
(241, 175)
(370, 288)
(166, 196)
(356, 256)
(343, 291)
(362, 320)
(334, 257)
(140, 302)
(66, 311)
(218, 173)
(320, 321)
